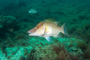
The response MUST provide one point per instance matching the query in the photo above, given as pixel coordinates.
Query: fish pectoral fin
(48, 38)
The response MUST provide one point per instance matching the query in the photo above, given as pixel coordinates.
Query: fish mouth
(34, 34)
(29, 32)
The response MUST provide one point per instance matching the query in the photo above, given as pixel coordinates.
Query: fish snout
(32, 30)
(29, 32)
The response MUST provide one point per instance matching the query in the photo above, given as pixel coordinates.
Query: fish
(48, 28)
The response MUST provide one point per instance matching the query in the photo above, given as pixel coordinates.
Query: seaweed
(87, 53)
(63, 54)
(58, 48)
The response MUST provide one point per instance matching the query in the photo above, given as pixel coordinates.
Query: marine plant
(63, 54)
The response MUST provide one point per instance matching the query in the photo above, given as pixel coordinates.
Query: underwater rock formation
(51, 52)
(8, 24)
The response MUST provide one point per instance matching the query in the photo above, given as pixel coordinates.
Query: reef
(15, 21)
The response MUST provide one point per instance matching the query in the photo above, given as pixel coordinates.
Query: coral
(43, 53)
(51, 52)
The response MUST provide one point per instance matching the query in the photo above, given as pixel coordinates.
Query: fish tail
(64, 30)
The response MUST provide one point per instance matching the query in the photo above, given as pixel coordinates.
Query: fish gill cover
(19, 16)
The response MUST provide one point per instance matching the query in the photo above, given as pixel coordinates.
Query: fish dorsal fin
(53, 21)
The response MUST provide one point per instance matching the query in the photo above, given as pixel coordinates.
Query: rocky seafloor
(15, 21)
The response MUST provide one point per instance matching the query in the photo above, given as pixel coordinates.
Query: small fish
(47, 28)
(32, 11)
